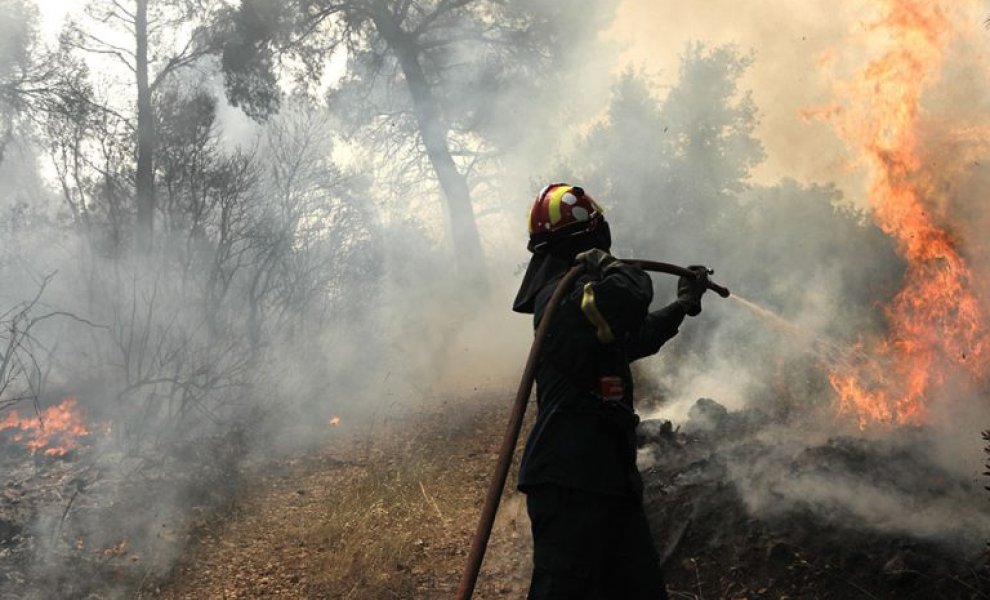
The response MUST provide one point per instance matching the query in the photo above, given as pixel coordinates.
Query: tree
(19, 73)
(34, 81)
(679, 162)
(161, 44)
(91, 147)
(314, 254)
(430, 72)
(673, 175)
(711, 123)
(626, 162)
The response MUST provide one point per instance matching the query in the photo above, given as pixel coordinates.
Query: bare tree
(315, 243)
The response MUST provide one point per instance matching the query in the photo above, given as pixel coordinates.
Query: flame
(335, 420)
(116, 550)
(55, 431)
(936, 324)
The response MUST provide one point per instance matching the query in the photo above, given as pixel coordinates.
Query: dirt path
(388, 518)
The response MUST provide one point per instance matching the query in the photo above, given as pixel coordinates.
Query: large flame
(936, 323)
(55, 431)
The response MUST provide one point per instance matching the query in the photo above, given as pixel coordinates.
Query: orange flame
(335, 420)
(55, 431)
(936, 323)
(116, 550)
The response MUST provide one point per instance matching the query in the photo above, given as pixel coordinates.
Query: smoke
(284, 288)
(788, 41)
(884, 486)
(303, 268)
(811, 254)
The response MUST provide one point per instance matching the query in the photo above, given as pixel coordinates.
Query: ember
(116, 550)
(55, 431)
(936, 324)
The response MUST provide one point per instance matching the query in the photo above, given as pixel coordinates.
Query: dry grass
(392, 519)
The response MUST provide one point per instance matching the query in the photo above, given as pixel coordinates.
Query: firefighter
(591, 539)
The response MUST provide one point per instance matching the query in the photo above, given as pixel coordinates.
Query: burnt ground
(387, 510)
(721, 496)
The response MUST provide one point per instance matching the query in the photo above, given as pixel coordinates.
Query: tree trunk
(463, 229)
(145, 177)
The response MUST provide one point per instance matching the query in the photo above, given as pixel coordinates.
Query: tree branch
(445, 7)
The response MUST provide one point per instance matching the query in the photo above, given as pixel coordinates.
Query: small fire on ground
(334, 421)
(54, 431)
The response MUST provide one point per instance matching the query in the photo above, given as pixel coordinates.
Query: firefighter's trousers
(590, 546)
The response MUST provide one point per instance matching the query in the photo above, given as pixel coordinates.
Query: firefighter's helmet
(562, 211)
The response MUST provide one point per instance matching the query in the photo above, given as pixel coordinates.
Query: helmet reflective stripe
(555, 197)
(590, 310)
(561, 210)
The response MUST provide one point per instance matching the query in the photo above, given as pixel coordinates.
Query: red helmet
(561, 211)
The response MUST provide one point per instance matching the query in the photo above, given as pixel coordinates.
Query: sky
(53, 13)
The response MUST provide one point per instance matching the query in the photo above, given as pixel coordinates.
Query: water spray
(827, 350)
(479, 545)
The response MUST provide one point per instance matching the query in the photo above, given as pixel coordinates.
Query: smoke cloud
(802, 61)
(303, 268)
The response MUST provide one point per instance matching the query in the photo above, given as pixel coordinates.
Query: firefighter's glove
(691, 289)
(595, 262)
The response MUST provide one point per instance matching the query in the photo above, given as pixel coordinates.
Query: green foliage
(248, 57)
(483, 61)
(711, 123)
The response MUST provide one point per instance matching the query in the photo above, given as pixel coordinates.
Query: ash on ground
(742, 507)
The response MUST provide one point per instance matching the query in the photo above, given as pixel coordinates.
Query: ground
(387, 516)
(389, 511)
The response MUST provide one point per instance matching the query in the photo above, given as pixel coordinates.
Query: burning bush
(54, 431)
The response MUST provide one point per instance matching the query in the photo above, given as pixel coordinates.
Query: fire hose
(465, 589)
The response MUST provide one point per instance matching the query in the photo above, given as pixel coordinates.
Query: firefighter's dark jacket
(580, 440)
